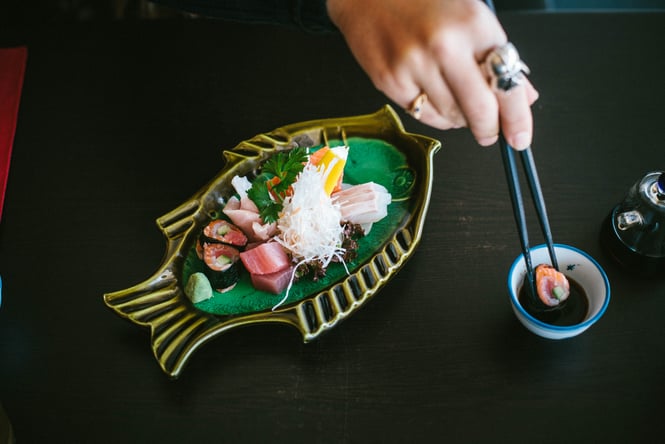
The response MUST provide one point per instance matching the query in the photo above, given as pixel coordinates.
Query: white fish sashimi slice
(363, 204)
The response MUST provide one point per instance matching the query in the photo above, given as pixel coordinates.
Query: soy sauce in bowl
(570, 312)
(588, 302)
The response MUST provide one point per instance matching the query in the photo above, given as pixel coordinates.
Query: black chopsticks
(529, 165)
(510, 167)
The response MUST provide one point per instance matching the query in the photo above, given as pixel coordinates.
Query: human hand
(408, 47)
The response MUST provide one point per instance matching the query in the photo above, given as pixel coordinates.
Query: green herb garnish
(270, 188)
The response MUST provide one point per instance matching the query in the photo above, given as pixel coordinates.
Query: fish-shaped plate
(379, 150)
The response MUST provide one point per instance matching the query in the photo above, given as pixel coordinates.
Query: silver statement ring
(505, 69)
(416, 107)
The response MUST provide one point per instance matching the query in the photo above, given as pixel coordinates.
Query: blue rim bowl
(574, 263)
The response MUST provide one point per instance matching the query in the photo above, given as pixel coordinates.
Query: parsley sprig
(278, 174)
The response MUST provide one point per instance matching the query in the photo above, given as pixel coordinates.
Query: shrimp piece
(552, 286)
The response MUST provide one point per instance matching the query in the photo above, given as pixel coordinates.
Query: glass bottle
(633, 234)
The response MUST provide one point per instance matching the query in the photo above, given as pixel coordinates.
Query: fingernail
(487, 141)
(521, 140)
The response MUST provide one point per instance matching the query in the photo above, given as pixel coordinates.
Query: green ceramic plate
(380, 151)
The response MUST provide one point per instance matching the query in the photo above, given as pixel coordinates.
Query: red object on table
(12, 69)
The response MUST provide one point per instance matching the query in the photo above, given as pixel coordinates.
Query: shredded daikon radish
(309, 224)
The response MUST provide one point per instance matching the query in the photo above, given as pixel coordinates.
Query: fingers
(410, 47)
(460, 95)
(443, 107)
(476, 100)
(418, 74)
(531, 93)
(515, 115)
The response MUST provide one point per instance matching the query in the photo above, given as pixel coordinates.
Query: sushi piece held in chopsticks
(552, 286)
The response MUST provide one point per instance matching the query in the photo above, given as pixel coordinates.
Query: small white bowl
(575, 264)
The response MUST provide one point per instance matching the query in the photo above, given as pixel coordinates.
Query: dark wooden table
(121, 122)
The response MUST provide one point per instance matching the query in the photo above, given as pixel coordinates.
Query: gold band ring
(416, 107)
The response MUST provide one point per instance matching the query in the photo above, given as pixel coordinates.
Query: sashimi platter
(302, 226)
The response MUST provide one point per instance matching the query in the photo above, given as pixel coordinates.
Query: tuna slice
(273, 282)
(266, 258)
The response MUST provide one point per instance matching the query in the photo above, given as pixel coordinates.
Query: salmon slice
(552, 286)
